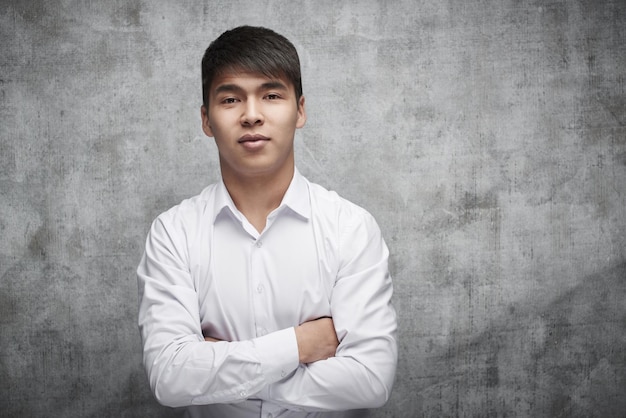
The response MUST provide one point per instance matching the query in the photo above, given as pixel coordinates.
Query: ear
(206, 124)
(301, 117)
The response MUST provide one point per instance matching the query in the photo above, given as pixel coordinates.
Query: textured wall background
(487, 137)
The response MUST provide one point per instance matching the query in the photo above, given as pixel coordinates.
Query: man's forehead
(236, 76)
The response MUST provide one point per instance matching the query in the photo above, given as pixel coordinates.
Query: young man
(265, 295)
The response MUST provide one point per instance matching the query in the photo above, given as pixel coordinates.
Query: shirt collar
(296, 198)
(223, 201)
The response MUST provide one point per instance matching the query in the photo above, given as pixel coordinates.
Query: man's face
(253, 119)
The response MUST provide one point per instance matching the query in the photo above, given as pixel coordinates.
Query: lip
(253, 142)
(252, 138)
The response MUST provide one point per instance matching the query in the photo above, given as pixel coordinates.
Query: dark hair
(254, 49)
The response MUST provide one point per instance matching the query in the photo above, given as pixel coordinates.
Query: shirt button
(259, 244)
(259, 288)
(242, 394)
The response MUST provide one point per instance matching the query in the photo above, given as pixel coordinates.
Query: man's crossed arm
(317, 340)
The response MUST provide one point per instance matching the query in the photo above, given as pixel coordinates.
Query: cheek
(216, 125)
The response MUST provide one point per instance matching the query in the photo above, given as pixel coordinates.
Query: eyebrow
(274, 84)
(269, 85)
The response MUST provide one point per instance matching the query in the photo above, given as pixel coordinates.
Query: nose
(252, 114)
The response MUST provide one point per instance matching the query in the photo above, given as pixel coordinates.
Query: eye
(229, 100)
(272, 96)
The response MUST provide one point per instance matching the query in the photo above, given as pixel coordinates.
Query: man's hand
(211, 339)
(317, 340)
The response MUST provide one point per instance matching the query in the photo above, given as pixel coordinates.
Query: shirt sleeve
(182, 368)
(361, 374)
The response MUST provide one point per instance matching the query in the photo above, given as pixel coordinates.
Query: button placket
(257, 280)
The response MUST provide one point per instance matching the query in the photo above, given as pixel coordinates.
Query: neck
(257, 196)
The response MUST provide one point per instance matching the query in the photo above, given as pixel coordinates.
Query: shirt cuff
(278, 352)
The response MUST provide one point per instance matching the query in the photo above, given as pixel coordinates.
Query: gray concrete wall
(487, 137)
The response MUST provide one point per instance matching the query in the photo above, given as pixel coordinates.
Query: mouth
(253, 143)
(252, 138)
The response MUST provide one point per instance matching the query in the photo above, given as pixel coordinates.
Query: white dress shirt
(206, 271)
